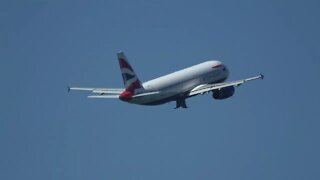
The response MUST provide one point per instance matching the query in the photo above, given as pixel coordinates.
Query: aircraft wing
(99, 92)
(209, 87)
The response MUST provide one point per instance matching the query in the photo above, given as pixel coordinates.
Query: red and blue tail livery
(131, 81)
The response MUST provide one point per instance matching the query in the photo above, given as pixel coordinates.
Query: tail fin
(130, 79)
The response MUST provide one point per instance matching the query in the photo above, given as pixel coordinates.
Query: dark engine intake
(223, 93)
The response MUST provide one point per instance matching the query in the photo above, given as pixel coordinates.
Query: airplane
(199, 79)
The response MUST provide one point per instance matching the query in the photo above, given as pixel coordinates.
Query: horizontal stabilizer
(95, 89)
(146, 94)
(104, 97)
(106, 92)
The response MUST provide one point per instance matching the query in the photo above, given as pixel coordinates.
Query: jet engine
(223, 93)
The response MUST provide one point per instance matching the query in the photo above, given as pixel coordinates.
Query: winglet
(262, 76)
(68, 89)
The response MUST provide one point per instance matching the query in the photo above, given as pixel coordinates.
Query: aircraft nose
(226, 70)
(218, 64)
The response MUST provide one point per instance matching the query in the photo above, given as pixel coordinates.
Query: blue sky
(268, 130)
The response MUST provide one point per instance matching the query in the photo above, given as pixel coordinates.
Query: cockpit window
(218, 66)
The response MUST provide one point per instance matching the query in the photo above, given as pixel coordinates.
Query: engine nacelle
(223, 93)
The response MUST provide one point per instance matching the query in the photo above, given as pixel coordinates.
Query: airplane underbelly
(167, 94)
(160, 98)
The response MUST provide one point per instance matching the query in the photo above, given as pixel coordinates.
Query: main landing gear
(181, 103)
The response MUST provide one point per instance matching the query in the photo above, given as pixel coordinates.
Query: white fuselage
(177, 85)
